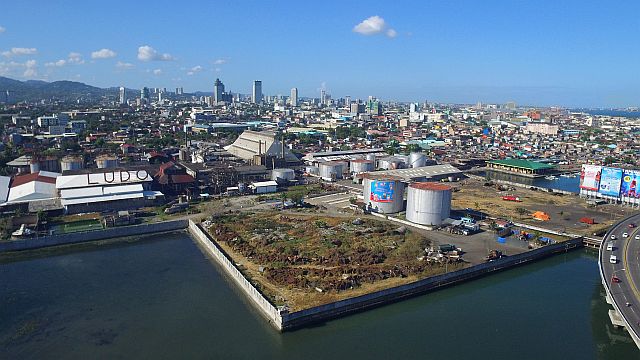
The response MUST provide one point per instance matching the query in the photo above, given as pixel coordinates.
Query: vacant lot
(305, 260)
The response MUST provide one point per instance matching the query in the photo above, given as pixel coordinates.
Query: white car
(613, 259)
(610, 246)
(625, 235)
(638, 237)
(613, 237)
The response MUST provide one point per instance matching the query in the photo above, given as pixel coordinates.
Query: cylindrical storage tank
(390, 163)
(313, 170)
(383, 193)
(106, 161)
(416, 160)
(360, 165)
(428, 203)
(371, 157)
(183, 154)
(34, 166)
(331, 170)
(71, 163)
(403, 161)
(283, 175)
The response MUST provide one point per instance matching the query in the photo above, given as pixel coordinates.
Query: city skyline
(542, 54)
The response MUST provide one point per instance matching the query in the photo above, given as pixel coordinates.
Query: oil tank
(313, 170)
(283, 175)
(383, 193)
(371, 157)
(358, 166)
(34, 166)
(417, 159)
(332, 170)
(390, 163)
(71, 163)
(428, 203)
(106, 161)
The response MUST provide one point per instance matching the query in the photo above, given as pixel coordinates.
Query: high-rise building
(256, 97)
(144, 94)
(123, 98)
(218, 91)
(293, 99)
(373, 106)
(347, 101)
(323, 95)
(179, 91)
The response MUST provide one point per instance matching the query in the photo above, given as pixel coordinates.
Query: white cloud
(75, 58)
(374, 25)
(124, 65)
(157, 72)
(195, 69)
(2, 29)
(103, 54)
(220, 62)
(147, 53)
(31, 69)
(58, 63)
(218, 69)
(391, 33)
(20, 51)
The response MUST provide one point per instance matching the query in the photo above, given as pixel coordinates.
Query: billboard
(381, 191)
(590, 177)
(629, 185)
(610, 181)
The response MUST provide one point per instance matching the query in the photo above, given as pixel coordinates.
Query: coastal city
(144, 221)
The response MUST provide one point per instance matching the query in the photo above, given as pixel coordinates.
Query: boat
(551, 177)
(23, 231)
(511, 198)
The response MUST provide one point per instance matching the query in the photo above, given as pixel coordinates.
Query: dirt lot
(565, 211)
(305, 260)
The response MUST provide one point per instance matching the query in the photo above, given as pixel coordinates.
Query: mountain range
(31, 90)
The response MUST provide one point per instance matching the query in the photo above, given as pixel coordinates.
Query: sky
(563, 52)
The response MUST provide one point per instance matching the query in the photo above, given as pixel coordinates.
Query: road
(624, 293)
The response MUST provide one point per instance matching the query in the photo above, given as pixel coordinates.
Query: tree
(521, 211)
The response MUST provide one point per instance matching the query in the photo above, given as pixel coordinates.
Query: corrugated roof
(421, 172)
(103, 178)
(42, 176)
(522, 164)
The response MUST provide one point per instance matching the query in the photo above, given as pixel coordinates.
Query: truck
(494, 255)
(587, 220)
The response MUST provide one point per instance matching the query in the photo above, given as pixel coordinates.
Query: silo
(283, 175)
(34, 166)
(106, 161)
(390, 163)
(383, 193)
(331, 170)
(371, 157)
(358, 166)
(428, 203)
(71, 163)
(417, 159)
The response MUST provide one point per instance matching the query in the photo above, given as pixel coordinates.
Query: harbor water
(161, 298)
(566, 183)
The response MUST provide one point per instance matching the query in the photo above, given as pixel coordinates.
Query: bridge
(619, 263)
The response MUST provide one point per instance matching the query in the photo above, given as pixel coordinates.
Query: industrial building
(431, 173)
(348, 155)
(520, 167)
(261, 148)
(33, 187)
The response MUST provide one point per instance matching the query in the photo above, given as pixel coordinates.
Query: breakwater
(86, 236)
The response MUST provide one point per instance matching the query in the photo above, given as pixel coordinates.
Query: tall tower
(218, 91)
(123, 98)
(256, 97)
(294, 97)
(323, 96)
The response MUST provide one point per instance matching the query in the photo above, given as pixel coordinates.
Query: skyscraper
(256, 97)
(294, 97)
(218, 91)
(123, 98)
(144, 94)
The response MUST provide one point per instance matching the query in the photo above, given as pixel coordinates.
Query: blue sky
(569, 53)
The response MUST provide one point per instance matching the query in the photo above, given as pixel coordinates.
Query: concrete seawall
(209, 246)
(80, 237)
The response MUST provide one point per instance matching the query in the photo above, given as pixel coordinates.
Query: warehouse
(85, 191)
(261, 148)
(520, 167)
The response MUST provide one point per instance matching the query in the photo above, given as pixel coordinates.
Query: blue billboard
(610, 181)
(629, 185)
(381, 191)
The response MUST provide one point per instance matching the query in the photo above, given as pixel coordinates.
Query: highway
(625, 291)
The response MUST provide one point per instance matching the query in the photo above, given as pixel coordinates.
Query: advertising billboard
(610, 181)
(382, 191)
(590, 177)
(629, 185)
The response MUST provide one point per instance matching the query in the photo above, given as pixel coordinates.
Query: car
(613, 237)
(610, 246)
(625, 235)
(613, 259)
(631, 226)
(615, 279)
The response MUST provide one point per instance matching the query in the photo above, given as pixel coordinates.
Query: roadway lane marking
(626, 265)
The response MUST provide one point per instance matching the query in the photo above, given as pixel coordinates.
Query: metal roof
(421, 172)
(522, 164)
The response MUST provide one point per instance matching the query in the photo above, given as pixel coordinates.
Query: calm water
(163, 299)
(619, 113)
(571, 184)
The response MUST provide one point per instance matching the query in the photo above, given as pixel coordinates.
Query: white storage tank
(283, 175)
(106, 161)
(417, 159)
(383, 193)
(371, 157)
(358, 166)
(313, 170)
(428, 203)
(332, 170)
(71, 163)
(390, 163)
